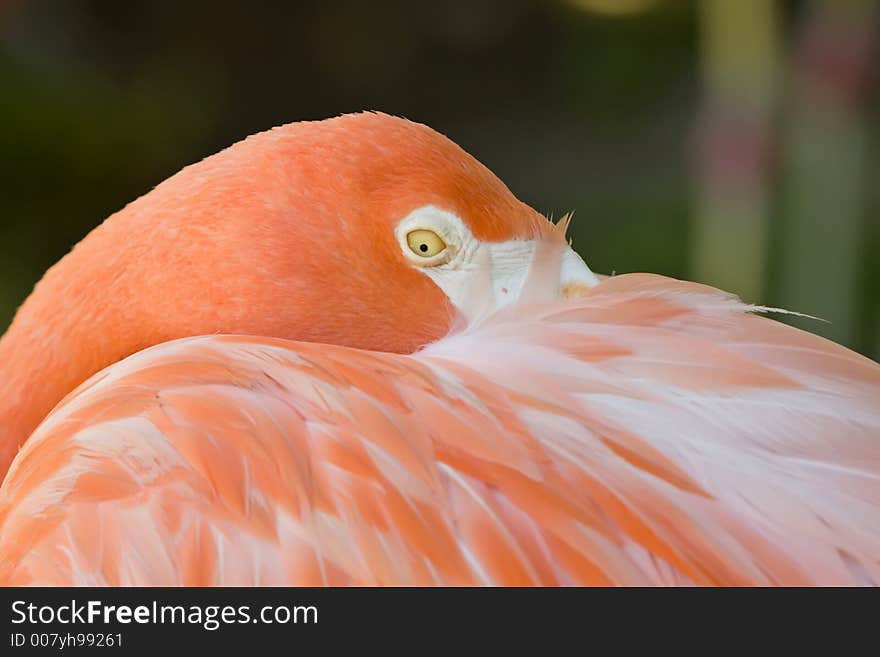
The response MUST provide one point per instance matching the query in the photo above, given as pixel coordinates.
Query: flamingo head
(371, 231)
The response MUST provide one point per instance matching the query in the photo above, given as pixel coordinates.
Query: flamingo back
(652, 432)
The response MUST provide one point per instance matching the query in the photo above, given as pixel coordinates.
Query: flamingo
(343, 353)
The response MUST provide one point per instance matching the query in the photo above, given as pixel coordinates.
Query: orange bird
(342, 352)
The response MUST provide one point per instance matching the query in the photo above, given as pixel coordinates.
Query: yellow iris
(425, 243)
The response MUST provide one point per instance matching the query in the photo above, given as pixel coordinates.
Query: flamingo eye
(425, 243)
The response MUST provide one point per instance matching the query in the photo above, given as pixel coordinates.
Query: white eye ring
(448, 228)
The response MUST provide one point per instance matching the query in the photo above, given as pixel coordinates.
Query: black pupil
(423, 247)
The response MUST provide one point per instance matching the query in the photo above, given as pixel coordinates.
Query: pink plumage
(343, 353)
(653, 432)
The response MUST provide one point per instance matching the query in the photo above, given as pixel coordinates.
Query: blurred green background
(736, 142)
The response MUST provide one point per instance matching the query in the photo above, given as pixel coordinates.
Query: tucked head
(386, 226)
(364, 230)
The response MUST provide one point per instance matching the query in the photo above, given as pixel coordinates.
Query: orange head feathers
(294, 233)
